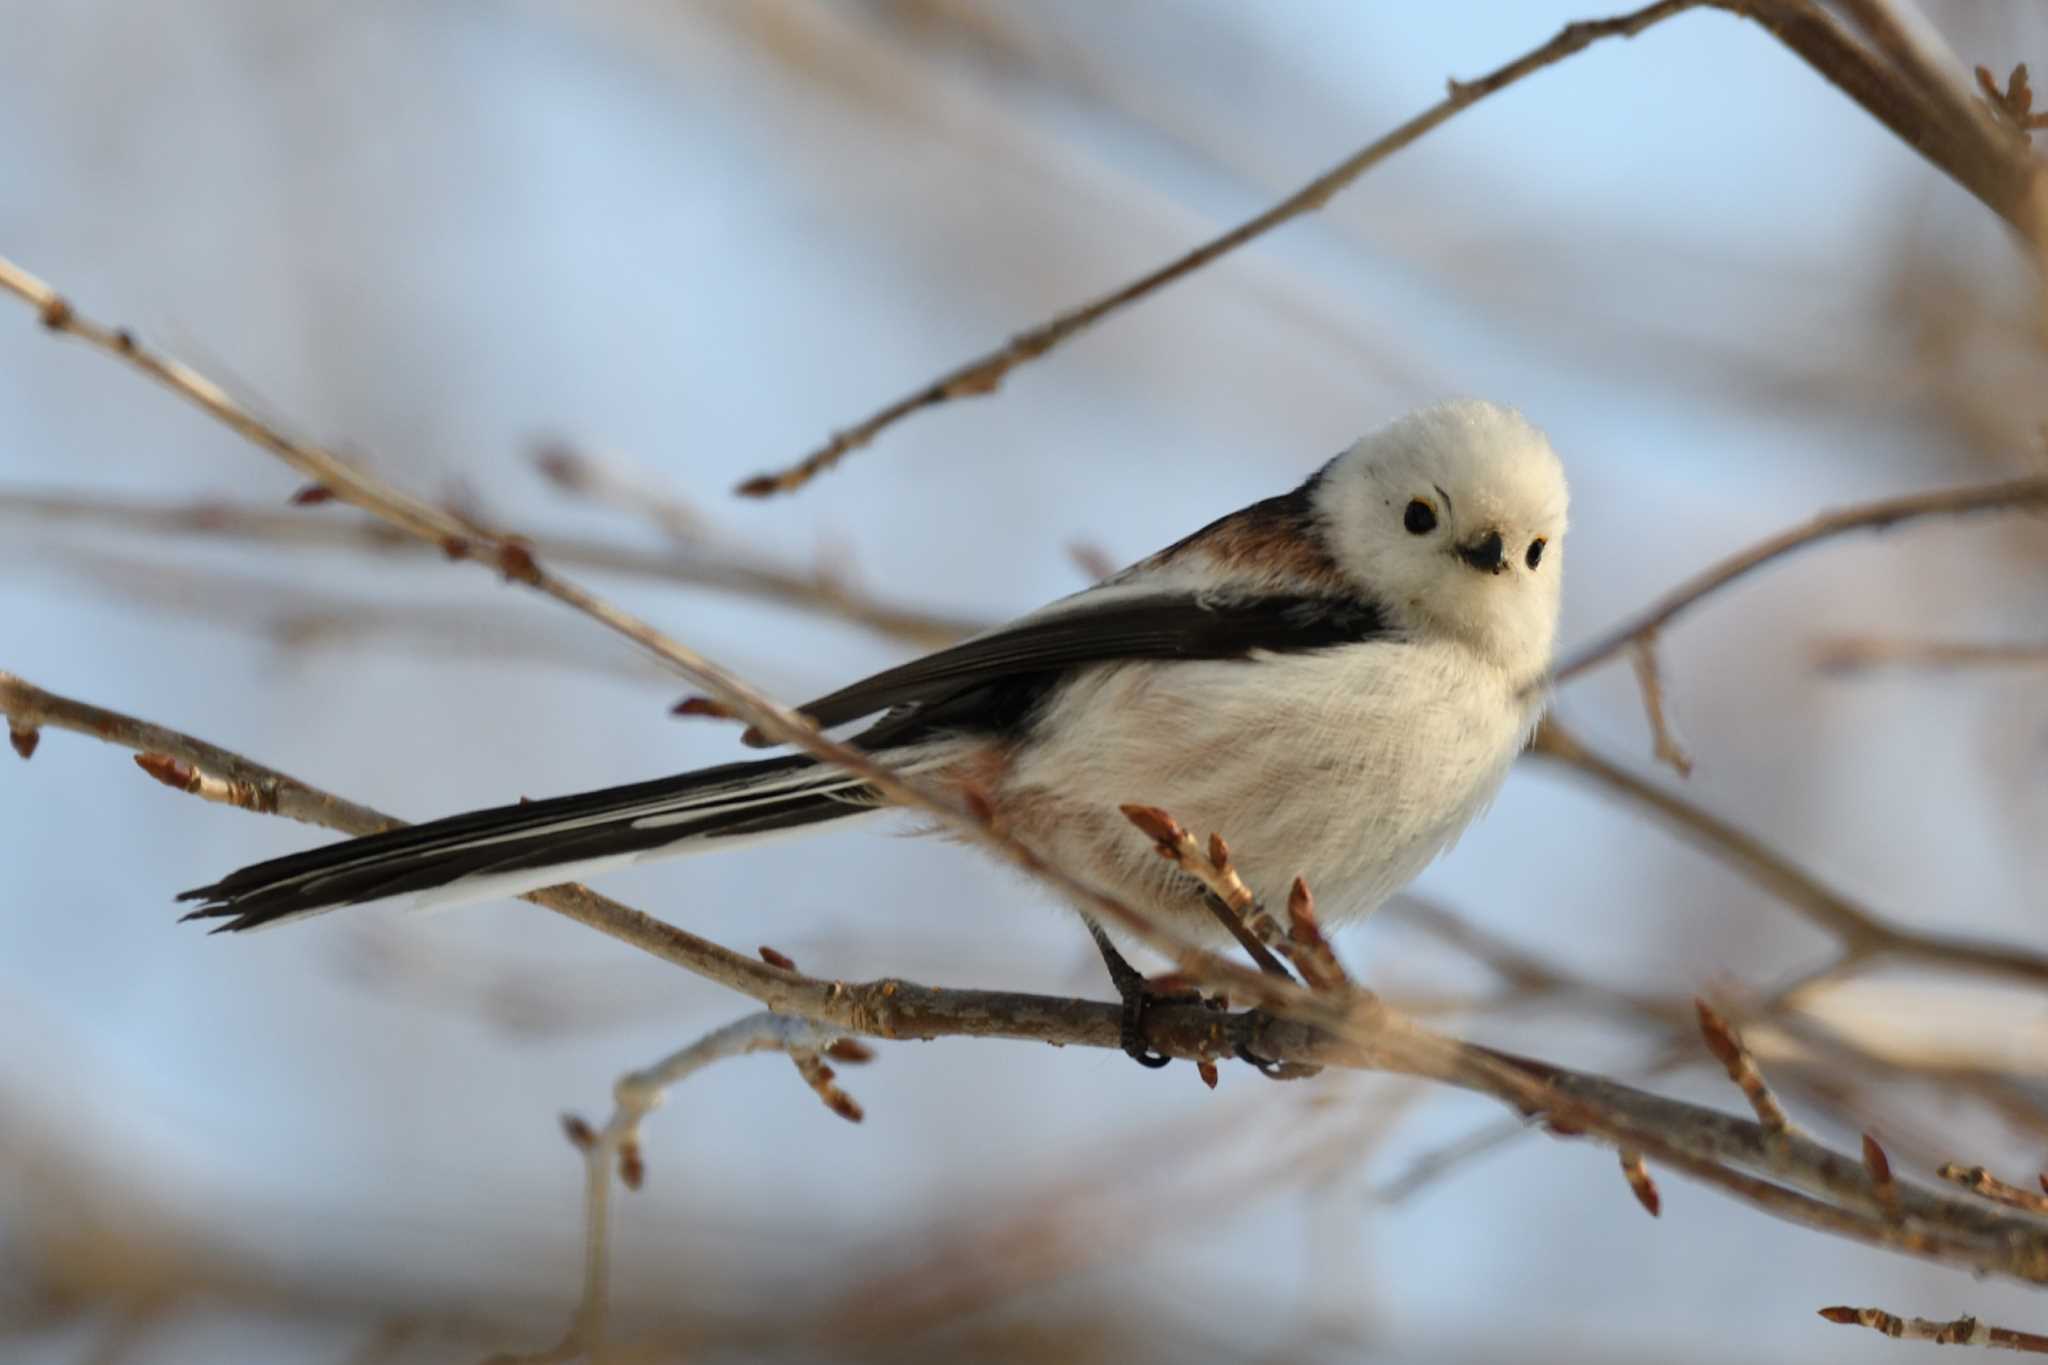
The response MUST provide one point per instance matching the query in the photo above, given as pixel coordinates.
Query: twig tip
(1639, 1182)
(24, 738)
(579, 1132)
(703, 706)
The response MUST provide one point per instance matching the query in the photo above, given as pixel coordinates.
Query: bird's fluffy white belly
(1351, 767)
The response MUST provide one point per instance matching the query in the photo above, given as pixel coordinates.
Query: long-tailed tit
(1336, 679)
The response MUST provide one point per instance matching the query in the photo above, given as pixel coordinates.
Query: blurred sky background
(692, 239)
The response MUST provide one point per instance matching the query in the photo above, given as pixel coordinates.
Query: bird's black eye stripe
(1535, 555)
(1420, 518)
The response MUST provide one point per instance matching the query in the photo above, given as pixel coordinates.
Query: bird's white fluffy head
(1436, 514)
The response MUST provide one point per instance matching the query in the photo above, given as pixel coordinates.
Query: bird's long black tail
(513, 849)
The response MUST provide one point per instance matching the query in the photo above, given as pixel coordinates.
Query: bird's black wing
(1107, 626)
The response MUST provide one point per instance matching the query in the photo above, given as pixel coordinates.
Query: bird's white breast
(1352, 767)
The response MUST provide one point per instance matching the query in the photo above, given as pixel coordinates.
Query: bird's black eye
(1420, 518)
(1535, 555)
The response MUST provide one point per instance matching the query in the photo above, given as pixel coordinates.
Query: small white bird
(1335, 679)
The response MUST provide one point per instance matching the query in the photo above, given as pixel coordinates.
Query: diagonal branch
(617, 1146)
(1863, 933)
(1964, 1331)
(985, 374)
(1853, 653)
(2011, 495)
(1895, 80)
(722, 567)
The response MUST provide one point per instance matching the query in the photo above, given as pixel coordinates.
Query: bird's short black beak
(1485, 553)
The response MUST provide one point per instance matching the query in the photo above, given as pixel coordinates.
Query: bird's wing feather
(1111, 625)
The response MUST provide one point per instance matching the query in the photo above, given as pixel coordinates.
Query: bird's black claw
(1245, 1027)
(1136, 996)
(1132, 1032)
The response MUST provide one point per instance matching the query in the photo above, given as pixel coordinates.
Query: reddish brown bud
(851, 1051)
(56, 313)
(455, 547)
(516, 562)
(1719, 1038)
(311, 495)
(24, 738)
(1206, 1069)
(1847, 1316)
(845, 1106)
(632, 1167)
(1158, 826)
(775, 959)
(169, 771)
(580, 1134)
(702, 706)
(124, 341)
(988, 378)
(1640, 1183)
(1301, 913)
(1875, 1162)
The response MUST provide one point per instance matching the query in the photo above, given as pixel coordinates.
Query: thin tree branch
(1734, 1058)
(1233, 902)
(1854, 653)
(596, 481)
(723, 567)
(1981, 1182)
(983, 375)
(29, 708)
(616, 1145)
(1984, 152)
(1864, 934)
(2011, 495)
(1920, 111)
(1910, 95)
(1961, 1332)
(1650, 683)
